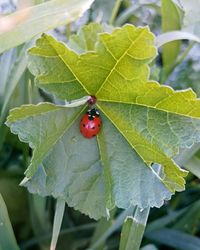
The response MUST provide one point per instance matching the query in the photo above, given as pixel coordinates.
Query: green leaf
(86, 38)
(115, 168)
(7, 238)
(171, 20)
(42, 17)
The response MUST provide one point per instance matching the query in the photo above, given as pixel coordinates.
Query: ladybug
(90, 124)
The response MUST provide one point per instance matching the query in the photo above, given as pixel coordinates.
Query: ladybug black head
(93, 112)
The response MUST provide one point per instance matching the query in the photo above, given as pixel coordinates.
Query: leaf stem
(60, 207)
(115, 11)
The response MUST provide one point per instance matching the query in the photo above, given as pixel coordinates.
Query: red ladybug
(90, 124)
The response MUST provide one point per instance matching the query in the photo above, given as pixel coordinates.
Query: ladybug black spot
(99, 125)
(93, 127)
(83, 124)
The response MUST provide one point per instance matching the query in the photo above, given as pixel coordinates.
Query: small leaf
(86, 38)
(116, 167)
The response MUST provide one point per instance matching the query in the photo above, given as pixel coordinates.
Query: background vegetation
(176, 225)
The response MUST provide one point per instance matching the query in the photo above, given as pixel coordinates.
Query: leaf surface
(116, 167)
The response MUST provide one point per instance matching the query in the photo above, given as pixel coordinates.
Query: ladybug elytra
(90, 124)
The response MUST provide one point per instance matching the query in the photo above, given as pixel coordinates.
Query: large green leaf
(115, 168)
(29, 22)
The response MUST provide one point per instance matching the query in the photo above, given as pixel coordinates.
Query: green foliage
(42, 17)
(143, 123)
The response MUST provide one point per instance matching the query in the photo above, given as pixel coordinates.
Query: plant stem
(133, 229)
(60, 207)
(184, 55)
(180, 59)
(115, 11)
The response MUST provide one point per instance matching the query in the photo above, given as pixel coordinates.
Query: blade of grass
(173, 36)
(42, 17)
(165, 220)
(18, 66)
(115, 11)
(175, 239)
(7, 238)
(171, 50)
(133, 230)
